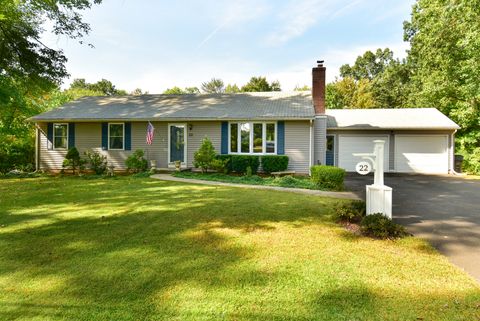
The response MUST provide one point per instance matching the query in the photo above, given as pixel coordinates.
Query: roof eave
(83, 120)
(394, 128)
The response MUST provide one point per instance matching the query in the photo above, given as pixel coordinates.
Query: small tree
(97, 162)
(204, 156)
(72, 160)
(136, 163)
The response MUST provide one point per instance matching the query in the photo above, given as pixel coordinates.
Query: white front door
(177, 143)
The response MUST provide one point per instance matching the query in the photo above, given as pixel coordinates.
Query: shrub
(240, 163)
(136, 163)
(378, 225)
(351, 212)
(220, 165)
(16, 153)
(97, 162)
(72, 160)
(204, 156)
(471, 162)
(287, 181)
(274, 163)
(328, 177)
(227, 160)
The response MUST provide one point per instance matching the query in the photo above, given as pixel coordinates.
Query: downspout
(37, 148)
(310, 149)
(452, 154)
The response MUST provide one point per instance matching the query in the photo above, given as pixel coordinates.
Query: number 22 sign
(363, 168)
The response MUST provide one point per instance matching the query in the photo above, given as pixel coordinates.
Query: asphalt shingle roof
(400, 118)
(269, 105)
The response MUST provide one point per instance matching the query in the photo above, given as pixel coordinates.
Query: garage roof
(401, 118)
(269, 105)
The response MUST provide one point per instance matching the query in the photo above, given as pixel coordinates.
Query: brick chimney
(318, 88)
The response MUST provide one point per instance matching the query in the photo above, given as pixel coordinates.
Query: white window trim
(264, 137)
(185, 135)
(123, 144)
(53, 137)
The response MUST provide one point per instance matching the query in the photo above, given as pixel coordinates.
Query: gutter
(85, 120)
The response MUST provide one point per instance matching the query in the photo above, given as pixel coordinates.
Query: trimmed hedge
(241, 162)
(328, 177)
(274, 163)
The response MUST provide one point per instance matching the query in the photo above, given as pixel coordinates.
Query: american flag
(150, 131)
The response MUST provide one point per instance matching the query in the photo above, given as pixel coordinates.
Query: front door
(177, 143)
(330, 152)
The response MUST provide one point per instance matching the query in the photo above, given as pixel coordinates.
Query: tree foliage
(260, 84)
(232, 89)
(369, 65)
(445, 59)
(349, 93)
(30, 71)
(179, 91)
(104, 87)
(213, 86)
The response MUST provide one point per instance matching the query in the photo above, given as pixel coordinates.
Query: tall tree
(445, 55)
(349, 93)
(214, 86)
(179, 91)
(104, 86)
(259, 84)
(138, 92)
(28, 68)
(232, 89)
(369, 65)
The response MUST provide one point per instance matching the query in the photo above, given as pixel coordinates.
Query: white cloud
(299, 16)
(235, 14)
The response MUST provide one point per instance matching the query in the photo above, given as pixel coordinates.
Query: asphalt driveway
(445, 210)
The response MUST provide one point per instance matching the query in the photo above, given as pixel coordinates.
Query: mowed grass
(142, 249)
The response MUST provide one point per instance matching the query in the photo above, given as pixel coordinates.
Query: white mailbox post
(379, 196)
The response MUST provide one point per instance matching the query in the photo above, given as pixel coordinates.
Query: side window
(60, 136)
(116, 134)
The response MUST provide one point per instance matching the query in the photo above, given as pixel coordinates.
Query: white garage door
(349, 145)
(421, 154)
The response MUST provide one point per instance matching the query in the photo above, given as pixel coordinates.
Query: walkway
(344, 195)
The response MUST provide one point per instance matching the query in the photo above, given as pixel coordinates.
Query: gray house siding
(297, 142)
(200, 130)
(88, 136)
(392, 134)
(320, 139)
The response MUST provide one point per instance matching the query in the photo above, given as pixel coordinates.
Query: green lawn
(142, 249)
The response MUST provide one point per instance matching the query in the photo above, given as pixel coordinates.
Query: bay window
(252, 138)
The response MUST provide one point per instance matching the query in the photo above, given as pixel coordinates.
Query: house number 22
(363, 168)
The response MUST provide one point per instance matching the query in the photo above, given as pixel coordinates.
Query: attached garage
(348, 145)
(418, 140)
(426, 154)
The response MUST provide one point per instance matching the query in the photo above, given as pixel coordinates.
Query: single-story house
(296, 124)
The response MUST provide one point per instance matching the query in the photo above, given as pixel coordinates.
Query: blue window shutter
(105, 136)
(224, 137)
(281, 138)
(71, 135)
(49, 135)
(128, 136)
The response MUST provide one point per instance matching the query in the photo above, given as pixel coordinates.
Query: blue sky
(159, 44)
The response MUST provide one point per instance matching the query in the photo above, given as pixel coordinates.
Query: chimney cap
(320, 63)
